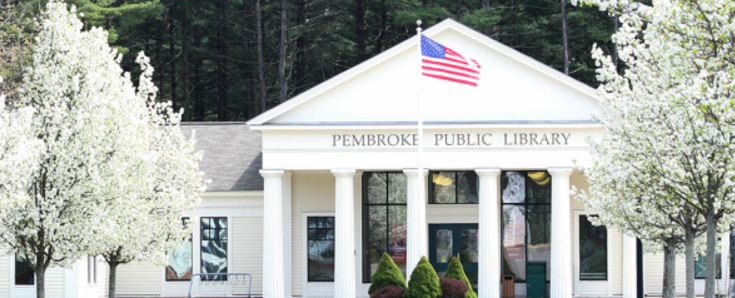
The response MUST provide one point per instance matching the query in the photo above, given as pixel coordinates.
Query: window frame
(525, 204)
(430, 183)
(187, 221)
(227, 245)
(579, 249)
(306, 243)
(365, 204)
(91, 270)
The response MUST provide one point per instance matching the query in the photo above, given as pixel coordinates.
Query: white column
(561, 231)
(417, 238)
(344, 227)
(630, 267)
(489, 241)
(725, 259)
(273, 275)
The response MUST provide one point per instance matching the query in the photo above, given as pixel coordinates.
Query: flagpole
(420, 125)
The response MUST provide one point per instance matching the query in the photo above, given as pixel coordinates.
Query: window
(526, 205)
(91, 269)
(592, 250)
(23, 273)
(214, 247)
(180, 260)
(454, 188)
(321, 248)
(700, 267)
(384, 220)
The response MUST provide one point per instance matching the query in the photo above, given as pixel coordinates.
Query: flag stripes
(443, 63)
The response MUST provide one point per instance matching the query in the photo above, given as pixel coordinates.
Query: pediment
(513, 88)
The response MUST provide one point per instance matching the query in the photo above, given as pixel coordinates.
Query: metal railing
(232, 279)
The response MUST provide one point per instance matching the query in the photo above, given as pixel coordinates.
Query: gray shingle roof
(232, 154)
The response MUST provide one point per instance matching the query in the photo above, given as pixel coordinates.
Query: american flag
(443, 63)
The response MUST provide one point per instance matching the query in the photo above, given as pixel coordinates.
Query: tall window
(321, 248)
(454, 188)
(700, 267)
(214, 247)
(180, 261)
(526, 221)
(91, 269)
(23, 272)
(592, 250)
(384, 220)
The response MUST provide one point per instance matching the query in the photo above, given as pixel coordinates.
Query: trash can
(509, 286)
(536, 279)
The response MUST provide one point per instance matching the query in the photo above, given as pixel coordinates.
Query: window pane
(514, 245)
(468, 184)
(377, 188)
(23, 273)
(377, 231)
(398, 187)
(214, 248)
(469, 246)
(180, 262)
(398, 234)
(514, 187)
(444, 187)
(592, 250)
(443, 242)
(539, 236)
(539, 187)
(321, 250)
(700, 266)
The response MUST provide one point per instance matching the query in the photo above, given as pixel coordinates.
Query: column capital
(560, 171)
(343, 173)
(266, 173)
(413, 172)
(488, 172)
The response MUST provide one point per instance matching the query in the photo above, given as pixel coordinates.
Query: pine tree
(456, 271)
(388, 274)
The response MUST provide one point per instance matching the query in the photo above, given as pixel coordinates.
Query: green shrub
(424, 282)
(456, 271)
(387, 274)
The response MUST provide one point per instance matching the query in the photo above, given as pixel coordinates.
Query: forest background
(230, 60)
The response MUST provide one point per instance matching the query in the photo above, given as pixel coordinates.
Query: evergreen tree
(388, 274)
(424, 282)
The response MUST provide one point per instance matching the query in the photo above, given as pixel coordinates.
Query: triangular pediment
(513, 88)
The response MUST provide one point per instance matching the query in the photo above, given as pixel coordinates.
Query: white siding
(247, 251)
(615, 265)
(312, 192)
(139, 278)
(4, 275)
(93, 290)
(55, 283)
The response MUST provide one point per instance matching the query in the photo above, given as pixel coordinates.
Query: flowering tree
(106, 147)
(669, 119)
(146, 221)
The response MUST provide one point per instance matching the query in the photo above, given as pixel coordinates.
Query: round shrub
(452, 288)
(424, 282)
(388, 292)
(456, 271)
(388, 274)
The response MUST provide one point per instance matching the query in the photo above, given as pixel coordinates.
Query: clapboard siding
(139, 278)
(55, 283)
(247, 251)
(312, 192)
(4, 274)
(615, 254)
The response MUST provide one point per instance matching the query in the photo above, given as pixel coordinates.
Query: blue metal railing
(233, 279)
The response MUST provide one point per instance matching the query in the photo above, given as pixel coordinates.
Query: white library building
(308, 196)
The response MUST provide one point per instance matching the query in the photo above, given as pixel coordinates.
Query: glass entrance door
(452, 240)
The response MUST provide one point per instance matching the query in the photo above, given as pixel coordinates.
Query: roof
(232, 154)
(410, 44)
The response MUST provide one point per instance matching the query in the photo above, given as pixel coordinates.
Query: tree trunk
(360, 30)
(300, 63)
(172, 53)
(222, 83)
(185, 53)
(40, 271)
(709, 284)
(282, 56)
(111, 290)
(689, 254)
(565, 35)
(261, 76)
(669, 290)
(487, 30)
